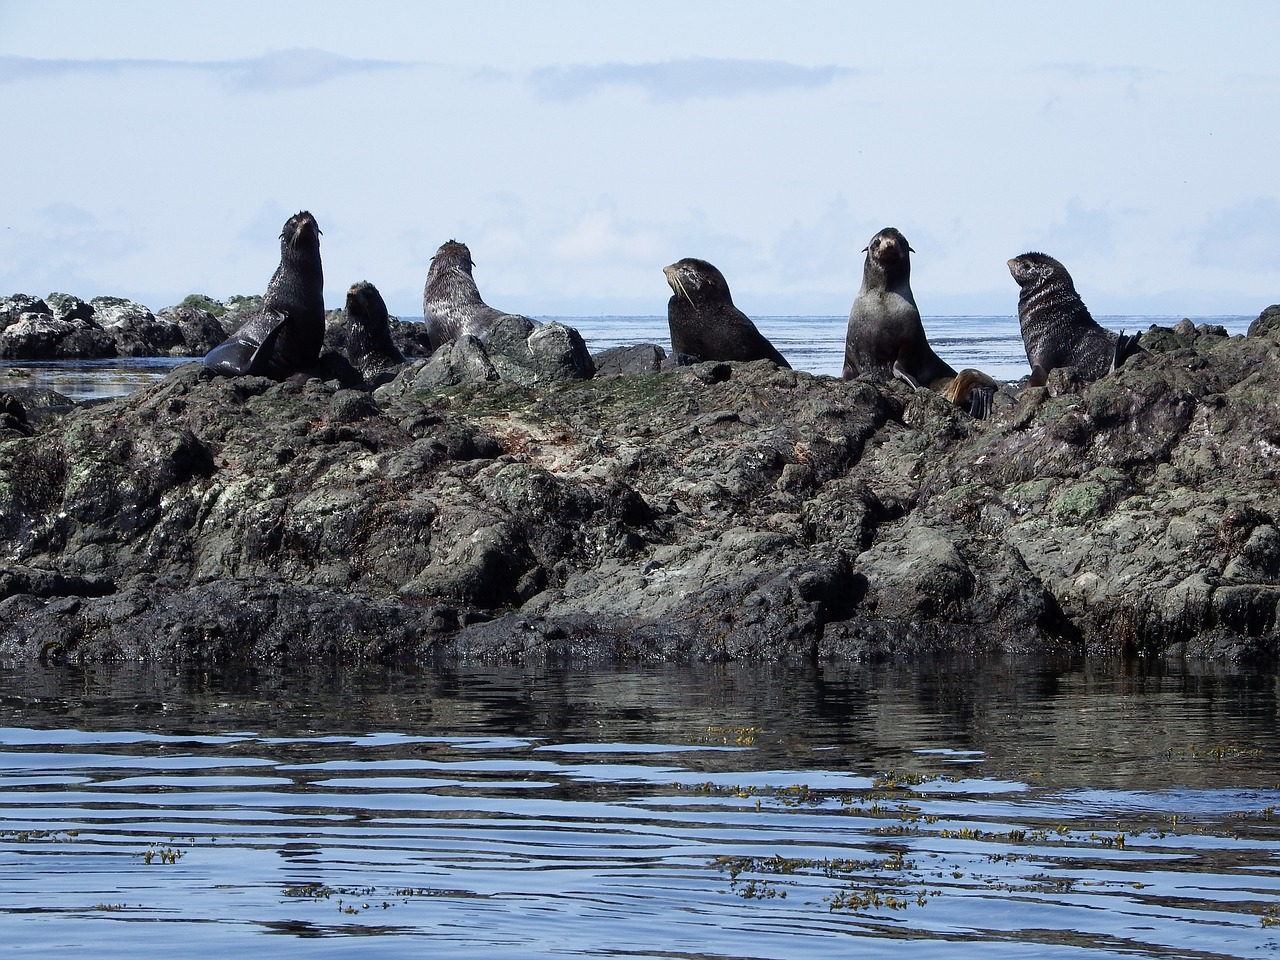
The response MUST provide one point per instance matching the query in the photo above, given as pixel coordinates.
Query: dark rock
(13, 416)
(199, 329)
(1268, 322)
(64, 306)
(44, 336)
(12, 308)
(136, 332)
(636, 358)
(410, 336)
(481, 506)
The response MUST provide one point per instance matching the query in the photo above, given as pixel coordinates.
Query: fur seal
(451, 304)
(369, 345)
(1057, 329)
(886, 338)
(287, 334)
(703, 320)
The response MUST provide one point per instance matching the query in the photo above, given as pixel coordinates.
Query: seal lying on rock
(703, 320)
(886, 339)
(451, 304)
(1057, 329)
(369, 345)
(286, 336)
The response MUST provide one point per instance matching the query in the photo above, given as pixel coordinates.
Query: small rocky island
(497, 507)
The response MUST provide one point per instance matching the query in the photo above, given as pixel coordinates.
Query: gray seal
(704, 322)
(1057, 329)
(369, 346)
(451, 304)
(285, 337)
(886, 338)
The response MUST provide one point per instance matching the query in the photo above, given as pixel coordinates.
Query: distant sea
(813, 344)
(816, 344)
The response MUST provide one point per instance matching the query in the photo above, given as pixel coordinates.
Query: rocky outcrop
(63, 327)
(713, 511)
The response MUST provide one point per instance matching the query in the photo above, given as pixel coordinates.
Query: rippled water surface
(1011, 809)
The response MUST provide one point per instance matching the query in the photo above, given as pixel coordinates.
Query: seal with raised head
(369, 346)
(451, 304)
(1057, 329)
(287, 334)
(704, 322)
(886, 339)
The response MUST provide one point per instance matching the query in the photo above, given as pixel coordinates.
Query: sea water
(1004, 809)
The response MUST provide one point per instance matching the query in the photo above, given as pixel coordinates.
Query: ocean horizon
(815, 344)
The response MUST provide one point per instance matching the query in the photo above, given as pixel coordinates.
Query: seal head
(704, 322)
(285, 337)
(1057, 328)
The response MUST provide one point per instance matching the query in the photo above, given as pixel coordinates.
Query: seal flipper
(981, 400)
(1126, 347)
(1039, 376)
(239, 354)
(900, 372)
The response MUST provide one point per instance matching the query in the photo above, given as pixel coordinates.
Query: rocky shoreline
(64, 327)
(471, 507)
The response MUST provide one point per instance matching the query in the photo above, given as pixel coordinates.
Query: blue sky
(154, 149)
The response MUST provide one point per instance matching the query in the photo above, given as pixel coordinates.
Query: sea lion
(451, 304)
(886, 338)
(703, 320)
(369, 346)
(1057, 329)
(287, 334)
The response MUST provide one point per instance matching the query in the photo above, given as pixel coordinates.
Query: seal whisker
(680, 285)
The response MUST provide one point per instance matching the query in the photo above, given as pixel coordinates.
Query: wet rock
(482, 506)
(13, 416)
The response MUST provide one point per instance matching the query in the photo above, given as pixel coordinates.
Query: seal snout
(301, 227)
(888, 246)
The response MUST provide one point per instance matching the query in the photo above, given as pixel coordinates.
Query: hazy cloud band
(687, 79)
(276, 70)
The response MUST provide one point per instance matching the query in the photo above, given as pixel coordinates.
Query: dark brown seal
(703, 320)
(451, 304)
(369, 346)
(287, 334)
(1057, 329)
(886, 338)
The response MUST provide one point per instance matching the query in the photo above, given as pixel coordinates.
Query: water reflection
(726, 810)
(88, 379)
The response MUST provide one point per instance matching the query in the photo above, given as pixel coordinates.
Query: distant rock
(60, 327)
